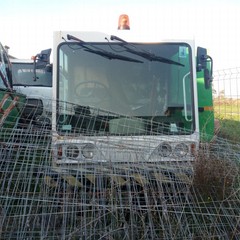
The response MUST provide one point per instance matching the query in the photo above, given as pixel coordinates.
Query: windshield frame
(99, 44)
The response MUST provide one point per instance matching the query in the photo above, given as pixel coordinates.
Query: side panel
(11, 106)
(205, 108)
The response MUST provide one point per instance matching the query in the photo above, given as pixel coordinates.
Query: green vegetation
(227, 112)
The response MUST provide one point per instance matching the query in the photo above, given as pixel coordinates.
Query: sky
(27, 25)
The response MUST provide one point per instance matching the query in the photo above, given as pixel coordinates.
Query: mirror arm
(211, 60)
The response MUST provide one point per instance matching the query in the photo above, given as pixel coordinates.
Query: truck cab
(124, 101)
(33, 77)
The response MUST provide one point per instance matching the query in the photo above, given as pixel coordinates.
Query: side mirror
(48, 68)
(43, 58)
(201, 58)
(205, 63)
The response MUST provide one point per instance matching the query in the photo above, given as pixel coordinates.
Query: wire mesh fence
(137, 195)
(137, 185)
(226, 86)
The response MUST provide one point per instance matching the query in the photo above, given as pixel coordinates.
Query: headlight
(88, 151)
(72, 152)
(181, 150)
(164, 149)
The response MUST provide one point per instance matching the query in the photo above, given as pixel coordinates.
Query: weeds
(215, 176)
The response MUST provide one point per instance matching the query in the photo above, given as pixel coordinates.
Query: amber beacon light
(123, 22)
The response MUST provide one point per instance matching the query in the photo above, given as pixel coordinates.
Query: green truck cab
(11, 102)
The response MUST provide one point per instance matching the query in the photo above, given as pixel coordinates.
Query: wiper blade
(152, 57)
(144, 54)
(102, 52)
(111, 56)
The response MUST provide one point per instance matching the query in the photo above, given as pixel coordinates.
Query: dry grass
(216, 175)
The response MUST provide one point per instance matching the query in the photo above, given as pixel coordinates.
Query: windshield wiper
(144, 54)
(102, 52)
(29, 85)
(111, 56)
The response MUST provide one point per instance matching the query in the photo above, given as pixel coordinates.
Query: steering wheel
(92, 91)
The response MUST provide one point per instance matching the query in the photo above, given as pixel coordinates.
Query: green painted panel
(11, 107)
(205, 105)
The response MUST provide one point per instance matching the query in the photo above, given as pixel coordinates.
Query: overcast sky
(27, 25)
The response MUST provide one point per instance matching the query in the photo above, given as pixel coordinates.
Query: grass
(227, 111)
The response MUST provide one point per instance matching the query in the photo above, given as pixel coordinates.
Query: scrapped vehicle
(33, 78)
(128, 103)
(11, 102)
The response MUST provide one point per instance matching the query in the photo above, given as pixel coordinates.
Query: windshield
(23, 75)
(148, 87)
